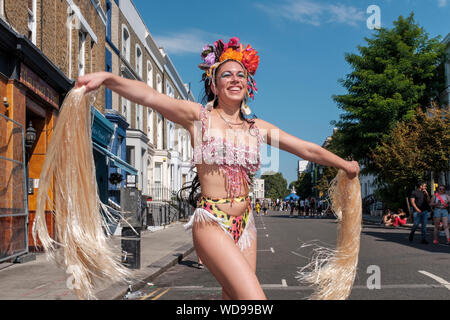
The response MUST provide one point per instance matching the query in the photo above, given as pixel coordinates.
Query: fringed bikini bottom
(240, 228)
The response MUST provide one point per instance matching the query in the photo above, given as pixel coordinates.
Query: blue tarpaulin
(293, 196)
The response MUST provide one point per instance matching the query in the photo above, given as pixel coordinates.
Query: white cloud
(308, 12)
(188, 41)
(442, 3)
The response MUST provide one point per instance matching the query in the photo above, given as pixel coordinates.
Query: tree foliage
(412, 149)
(303, 186)
(397, 71)
(275, 185)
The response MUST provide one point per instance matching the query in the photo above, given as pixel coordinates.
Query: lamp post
(30, 138)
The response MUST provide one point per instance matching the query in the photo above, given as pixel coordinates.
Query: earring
(244, 107)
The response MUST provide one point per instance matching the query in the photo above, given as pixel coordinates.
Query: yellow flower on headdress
(232, 54)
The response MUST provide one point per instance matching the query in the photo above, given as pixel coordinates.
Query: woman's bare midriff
(212, 181)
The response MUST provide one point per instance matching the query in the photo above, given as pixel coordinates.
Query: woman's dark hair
(194, 186)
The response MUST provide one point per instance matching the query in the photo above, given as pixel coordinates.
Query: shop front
(31, 92)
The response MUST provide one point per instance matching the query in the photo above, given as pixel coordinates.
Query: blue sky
(301, 44)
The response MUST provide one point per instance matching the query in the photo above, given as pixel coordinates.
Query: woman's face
(231, 83)
(441, 190)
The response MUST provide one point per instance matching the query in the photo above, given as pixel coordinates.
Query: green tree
(303, 186)
(397, 71)
(275, 185)
(411, 150)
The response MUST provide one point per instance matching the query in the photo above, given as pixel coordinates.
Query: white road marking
(283, 283)
(438, 279)
(267, 235)
(271, 249)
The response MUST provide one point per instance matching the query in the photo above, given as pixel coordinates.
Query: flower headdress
(214, 55)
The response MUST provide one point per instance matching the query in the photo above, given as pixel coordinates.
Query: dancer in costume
(226, 153)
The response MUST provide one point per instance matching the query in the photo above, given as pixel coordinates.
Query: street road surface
(406, 270)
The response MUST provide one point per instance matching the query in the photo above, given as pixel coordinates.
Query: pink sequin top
(236, 161)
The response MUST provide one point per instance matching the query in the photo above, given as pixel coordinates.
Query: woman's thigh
(227, 263)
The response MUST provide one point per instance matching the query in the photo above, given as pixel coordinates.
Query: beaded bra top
(236, 161)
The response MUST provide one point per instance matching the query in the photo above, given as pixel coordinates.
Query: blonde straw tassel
(332, 272)
(80, 243)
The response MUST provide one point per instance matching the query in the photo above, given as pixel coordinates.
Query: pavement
(161, 248)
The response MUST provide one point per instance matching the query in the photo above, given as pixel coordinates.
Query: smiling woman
(226, 154)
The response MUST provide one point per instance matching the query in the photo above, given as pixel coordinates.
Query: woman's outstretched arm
(304, 149)
(180, 111)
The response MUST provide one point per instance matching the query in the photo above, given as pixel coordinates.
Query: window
(158, 174)
(119, 146)
(171, 136)
(150, 124)
(169, 90)
(158, 83)
(126, 110)
(2, 8)
(108, 68)
(159, 133)
(108, 20)
(130, 155)
(31, 19)
(139, 61)
(149, 74)
(139, 117)
(125, 43)
(81, 52)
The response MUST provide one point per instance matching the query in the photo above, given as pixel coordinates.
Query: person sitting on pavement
(388, 218)
(399, 218)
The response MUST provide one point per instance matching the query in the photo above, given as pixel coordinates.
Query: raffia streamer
(80, 245)
(332, 272)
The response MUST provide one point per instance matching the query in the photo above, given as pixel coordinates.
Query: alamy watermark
(374, 20)
(374, 280)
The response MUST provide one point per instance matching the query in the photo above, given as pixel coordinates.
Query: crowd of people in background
(301, 207)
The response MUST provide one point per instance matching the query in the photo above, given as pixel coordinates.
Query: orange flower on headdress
(232, 54)
(250, 59)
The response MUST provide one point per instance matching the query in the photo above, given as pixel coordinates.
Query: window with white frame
(170, 135)
(126, 110)
(149, 74)
(125, 43)
(169, 90)
(139, 61)
(139, 117)
(158, 83)
(2, 8)
(81, 52)
(158, 174)
(31, 19)
(150, 124)
(159, 132)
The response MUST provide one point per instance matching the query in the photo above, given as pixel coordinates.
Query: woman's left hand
(352, 169)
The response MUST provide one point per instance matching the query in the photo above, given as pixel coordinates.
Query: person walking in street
(420, 202)
(257, 207)
(302, 207)
(440, 203)
(223, 226)
(265, 206)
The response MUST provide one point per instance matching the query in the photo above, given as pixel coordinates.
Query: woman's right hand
(92, 81)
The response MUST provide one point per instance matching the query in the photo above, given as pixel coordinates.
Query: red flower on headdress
(250, 59)
(233, 42)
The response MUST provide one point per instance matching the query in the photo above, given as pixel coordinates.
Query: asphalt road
(388, 262)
